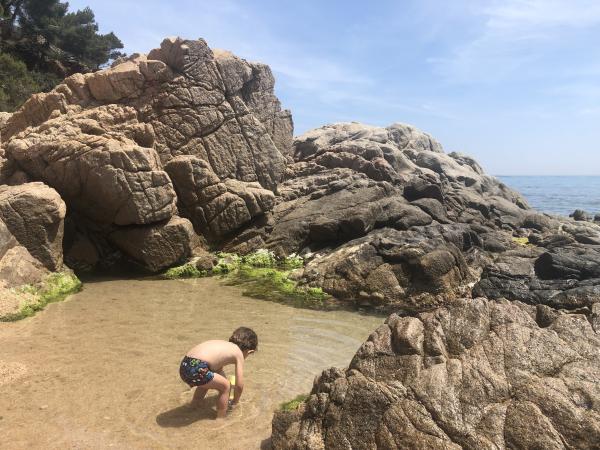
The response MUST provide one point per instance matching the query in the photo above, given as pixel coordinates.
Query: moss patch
(262, 275)
(185, 271)
(292, 405)
(54, 288)
(521, 241)
(275, 285)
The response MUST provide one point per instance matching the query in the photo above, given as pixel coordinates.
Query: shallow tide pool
(100, 370)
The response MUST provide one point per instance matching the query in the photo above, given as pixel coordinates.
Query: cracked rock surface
(34, 214)
(103, 141)
(475, 374)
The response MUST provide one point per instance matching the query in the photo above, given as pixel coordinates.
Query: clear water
(558, 194)
(101, 369)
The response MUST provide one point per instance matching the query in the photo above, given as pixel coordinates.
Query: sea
(558, 194)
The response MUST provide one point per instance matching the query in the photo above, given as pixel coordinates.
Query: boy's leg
(221, 384)
(199, 395)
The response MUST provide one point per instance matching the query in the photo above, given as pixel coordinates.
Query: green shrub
(16, 83)
(293, 404)
(185, 271)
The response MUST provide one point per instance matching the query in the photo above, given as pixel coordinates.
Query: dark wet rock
(350, 181)
(563, 277)
(581, 215)
(433, 208)
(577, 263)
(408, 269)
(476, 374)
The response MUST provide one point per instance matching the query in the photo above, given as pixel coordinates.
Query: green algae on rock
(187, 270)
(276, 285)
(293, 404)
(523, 241)
(54, 288)
(263, 276)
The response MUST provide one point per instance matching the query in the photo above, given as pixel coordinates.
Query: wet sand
(100, 370)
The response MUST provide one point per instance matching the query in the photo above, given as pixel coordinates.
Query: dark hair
(245, 338)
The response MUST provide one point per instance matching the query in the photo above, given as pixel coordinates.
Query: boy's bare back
(202, 367)
(217, 354)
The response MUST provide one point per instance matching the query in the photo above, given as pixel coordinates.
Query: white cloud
(512, 38)
(523, 15)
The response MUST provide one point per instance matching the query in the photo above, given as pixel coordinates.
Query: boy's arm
(239, 379)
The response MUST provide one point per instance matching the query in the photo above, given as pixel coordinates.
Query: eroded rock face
(93, 159)
(157, 246)
(17, 266)
(34, 214)
(477, 374)
(413, 269)
(17, 269)
(216, 208)
(355, 191)
(253, 84)
(553, 270)
(102, 141)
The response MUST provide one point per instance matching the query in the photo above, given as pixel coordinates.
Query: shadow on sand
(185, 415)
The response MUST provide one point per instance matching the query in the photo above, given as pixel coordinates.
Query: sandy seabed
(101, 369)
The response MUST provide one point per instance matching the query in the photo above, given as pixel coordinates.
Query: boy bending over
(203, 366)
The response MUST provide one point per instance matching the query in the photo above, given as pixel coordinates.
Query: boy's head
(246, 339)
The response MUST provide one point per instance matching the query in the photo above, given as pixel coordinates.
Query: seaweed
(188, 270)
(54, 288)
(262, 275)
(523, 241)
(292, 405)
(275, 285)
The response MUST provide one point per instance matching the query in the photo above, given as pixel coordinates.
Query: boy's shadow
(185, 415)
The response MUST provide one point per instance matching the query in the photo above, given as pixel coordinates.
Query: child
(203, 366)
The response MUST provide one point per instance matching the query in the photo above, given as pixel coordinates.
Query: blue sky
(514, 83)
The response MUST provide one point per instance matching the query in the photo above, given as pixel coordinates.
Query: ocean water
(558, 194)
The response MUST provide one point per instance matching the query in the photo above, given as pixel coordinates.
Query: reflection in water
(100, 370)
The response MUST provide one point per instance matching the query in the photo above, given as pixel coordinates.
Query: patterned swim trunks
(195, 372)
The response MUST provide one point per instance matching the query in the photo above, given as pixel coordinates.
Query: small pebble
(44, 407)
(106, 418)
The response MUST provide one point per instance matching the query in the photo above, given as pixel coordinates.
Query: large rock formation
(391, 218)
(473, 375)
(103, 139)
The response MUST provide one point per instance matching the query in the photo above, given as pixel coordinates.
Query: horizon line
(547, 175)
